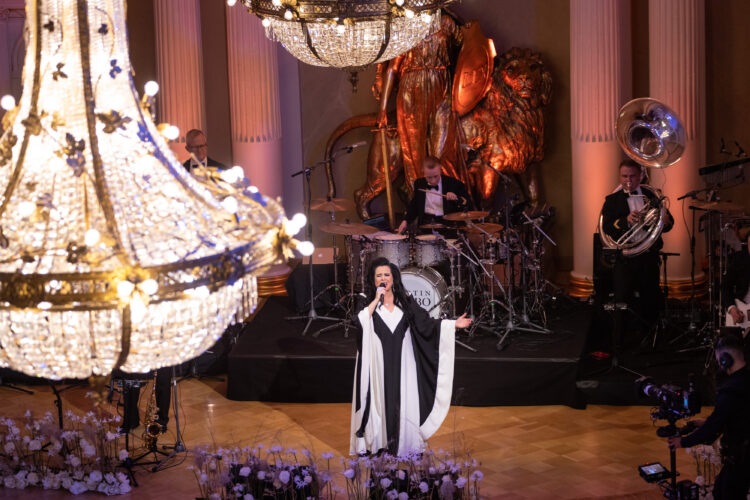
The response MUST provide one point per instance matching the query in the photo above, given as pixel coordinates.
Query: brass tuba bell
(651, 134)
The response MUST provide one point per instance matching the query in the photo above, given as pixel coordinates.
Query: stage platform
(272, 361)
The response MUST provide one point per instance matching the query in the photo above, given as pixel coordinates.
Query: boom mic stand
(312, 314)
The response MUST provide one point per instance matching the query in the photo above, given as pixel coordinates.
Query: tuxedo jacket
(615, 216)
(210, 162)
(449, 185)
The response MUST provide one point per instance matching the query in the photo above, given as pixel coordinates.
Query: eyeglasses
(198, 146)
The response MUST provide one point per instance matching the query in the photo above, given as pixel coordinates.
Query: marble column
(12, 47)
(179, 66)
(254, 101)
(600, 73)
(677, 66)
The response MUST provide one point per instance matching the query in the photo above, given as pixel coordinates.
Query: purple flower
(385, 482)
(284, 476)
(349, 473)
(461, 482)
(327, 455)
(476, 475)
(392, 494)
(423, 487)
(245, 471)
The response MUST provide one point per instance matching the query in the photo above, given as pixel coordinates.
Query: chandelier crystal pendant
(111, 254)
(347, 34)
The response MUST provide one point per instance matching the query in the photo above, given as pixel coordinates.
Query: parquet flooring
(526, 452)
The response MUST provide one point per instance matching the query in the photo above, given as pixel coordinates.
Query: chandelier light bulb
(91, 237)
(151, 88)
(288, 15)
(149, 286)
(276, 3)
(230, 204)
(26, 208)
(426, 17)
(400, 3)
(306, 248)
(340, 28)
(8, 102)
(171, 132)
(299, 220)
(409, 13)
(230, 3)
(124, 290)
(138, 309)
(266, 22)
(44, 305)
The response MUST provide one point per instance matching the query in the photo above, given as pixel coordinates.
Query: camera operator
(730, 419)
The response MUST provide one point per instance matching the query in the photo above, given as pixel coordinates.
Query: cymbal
(332, 205)
(433, 226)
(460, 216)
(717, 206)
(487, 226)
(348, 228)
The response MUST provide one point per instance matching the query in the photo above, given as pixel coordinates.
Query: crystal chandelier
(111, 254)
(348, 34)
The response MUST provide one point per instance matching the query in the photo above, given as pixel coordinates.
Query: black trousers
(131, 395)
(639, 274)
(732, 482)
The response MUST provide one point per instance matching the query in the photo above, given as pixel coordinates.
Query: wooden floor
(525, 452)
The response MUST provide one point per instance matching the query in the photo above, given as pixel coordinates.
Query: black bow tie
(432, 187)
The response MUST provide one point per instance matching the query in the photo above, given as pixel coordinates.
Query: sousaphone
(651, 134)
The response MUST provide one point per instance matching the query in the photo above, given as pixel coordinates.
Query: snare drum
(427, 287)
(429, 250)
(394, 247)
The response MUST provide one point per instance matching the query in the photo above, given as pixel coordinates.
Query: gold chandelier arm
(16, 175)
(88, 95)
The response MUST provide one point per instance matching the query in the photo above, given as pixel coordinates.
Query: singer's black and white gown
(403, 379)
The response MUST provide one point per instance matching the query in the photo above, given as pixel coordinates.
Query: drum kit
(491, 271)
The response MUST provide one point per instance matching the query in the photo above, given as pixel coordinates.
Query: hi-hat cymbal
(473, 215)
(717, 206)
(348, 228)
(487, 226)
(433, 226)
(332, 205)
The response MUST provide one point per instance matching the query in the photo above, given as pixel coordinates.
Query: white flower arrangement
(82, 457)
(259, 472)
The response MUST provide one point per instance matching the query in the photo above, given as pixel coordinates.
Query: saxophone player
(635, 278)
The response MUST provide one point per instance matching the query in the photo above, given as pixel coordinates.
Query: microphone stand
(312, 314)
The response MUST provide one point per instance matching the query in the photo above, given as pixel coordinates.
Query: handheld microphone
(382, 297)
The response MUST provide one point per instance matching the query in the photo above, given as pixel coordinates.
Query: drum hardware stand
(311, 315)
(664, 322)
(536, 268)
(346, 322)
(337, 289)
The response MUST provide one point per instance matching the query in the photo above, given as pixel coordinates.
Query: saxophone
(151, 428)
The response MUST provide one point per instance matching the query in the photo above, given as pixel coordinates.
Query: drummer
(435, 195)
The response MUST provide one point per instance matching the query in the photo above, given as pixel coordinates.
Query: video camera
(674, 401)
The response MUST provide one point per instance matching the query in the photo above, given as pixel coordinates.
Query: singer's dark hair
(399, 292)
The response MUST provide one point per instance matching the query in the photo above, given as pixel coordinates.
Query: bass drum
(427, 287)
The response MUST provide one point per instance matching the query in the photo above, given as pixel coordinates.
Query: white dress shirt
(433, 200)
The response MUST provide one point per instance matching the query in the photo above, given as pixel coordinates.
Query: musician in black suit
(637, 275)
(736, 283)
(427, 205)
(196, 145)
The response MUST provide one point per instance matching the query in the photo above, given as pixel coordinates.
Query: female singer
(404, 373)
